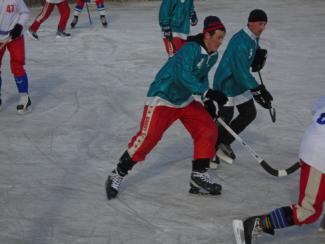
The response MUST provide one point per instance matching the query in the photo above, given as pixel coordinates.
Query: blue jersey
(233, 75)
(176, 14)
(184, 75)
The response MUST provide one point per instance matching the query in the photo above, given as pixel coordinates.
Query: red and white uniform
(312, 176)
(48, 7)
(11, 13)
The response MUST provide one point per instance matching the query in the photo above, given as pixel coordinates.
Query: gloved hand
(210, 108)
(217, 96)
(16, 31)
(193, 18)
(259, 60)
(262, 96)
(167, 32)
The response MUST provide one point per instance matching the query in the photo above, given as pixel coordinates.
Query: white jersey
(55, 1)
(312, 147)
(11, 13)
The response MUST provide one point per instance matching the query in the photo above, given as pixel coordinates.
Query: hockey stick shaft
(261, 161)
(5, 42)
(90, 22)
(271, 110)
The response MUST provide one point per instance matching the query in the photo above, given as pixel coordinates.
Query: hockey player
(13, 15)
(48, 7)
(175, 18)
(79, 7)
(233, 77)
(312, 186)
(169, 99)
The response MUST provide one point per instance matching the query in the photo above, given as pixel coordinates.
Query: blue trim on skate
(100, 6)
(278, 219)
(22, 83)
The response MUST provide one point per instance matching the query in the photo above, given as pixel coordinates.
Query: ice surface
(87, 95)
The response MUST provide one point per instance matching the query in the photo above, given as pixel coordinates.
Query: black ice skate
(24, 104)
(246, 232)
(33, 35)
(201, 183)
(112, 184)
(62, 34)
(103, 20)
(74, 21)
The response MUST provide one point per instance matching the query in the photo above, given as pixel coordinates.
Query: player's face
(214, 42)
(257, 27)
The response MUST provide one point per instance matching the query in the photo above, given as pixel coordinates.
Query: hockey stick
(271, 110)
(90, 22)
(5, 42)
(172, 48)
(261, 161)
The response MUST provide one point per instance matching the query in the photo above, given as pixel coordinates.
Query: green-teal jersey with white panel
(183, 75)
(233, 75)
(176, 14)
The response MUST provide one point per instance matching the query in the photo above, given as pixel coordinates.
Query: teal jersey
(233, 75)
(176, 14)
(184, 75)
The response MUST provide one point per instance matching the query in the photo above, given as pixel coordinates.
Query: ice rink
(87, 95)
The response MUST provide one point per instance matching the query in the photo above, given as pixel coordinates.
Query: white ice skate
(24, 104)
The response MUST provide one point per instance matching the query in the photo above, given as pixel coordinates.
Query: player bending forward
(170, 99)
(13, 15)
(312, 187)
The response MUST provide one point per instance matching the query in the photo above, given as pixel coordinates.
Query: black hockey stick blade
(282, 172)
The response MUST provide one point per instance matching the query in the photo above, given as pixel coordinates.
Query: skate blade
(238, 228)
(222, 156)
(196, 191)
(24, 111)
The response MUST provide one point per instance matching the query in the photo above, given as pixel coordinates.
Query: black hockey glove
(167, 32)
(210, 108)
(262, 96)
(217, 96)
(193, 18)
(16, 31)
(259, 60)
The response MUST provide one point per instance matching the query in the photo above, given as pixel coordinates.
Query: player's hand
(262, 96)
(16, 31)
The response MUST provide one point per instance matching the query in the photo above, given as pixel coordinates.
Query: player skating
(79, 7)
(13, 16)
(169, 99)
(48, 7)
(311, 191)
(175, 18)
(233, 77)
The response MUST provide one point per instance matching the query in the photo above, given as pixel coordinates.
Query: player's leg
(154, 122)
(204, 133)
(16, 50)
(64, 10)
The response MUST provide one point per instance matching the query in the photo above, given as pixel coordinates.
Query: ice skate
(201, 183)
(32, 34)
(24, 104)
(246, 232)
(113, 184)
(103, 20)
(62, 34)
(74, 21)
